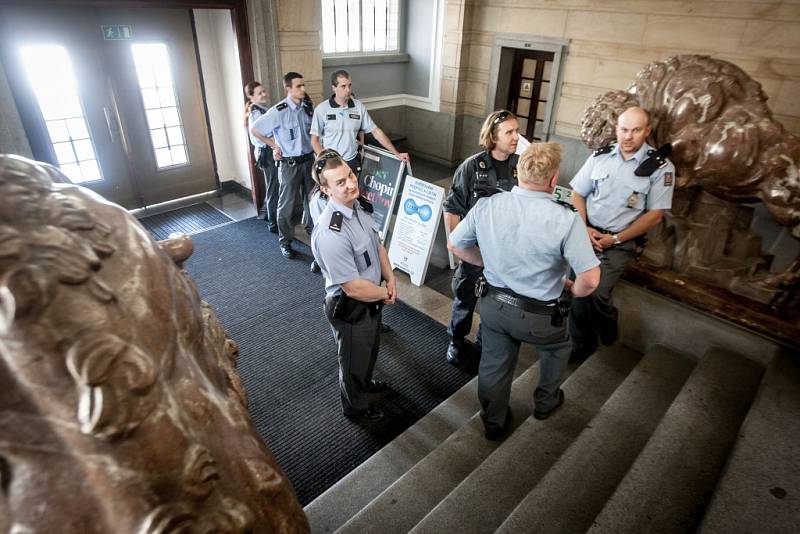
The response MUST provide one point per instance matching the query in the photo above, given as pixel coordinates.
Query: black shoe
(544, 415)
(376, 386)
(373, 414)
(579, 354)
(273, 229)
(287, 252)
(453, 353)
(385, 328)
(314, 266)
(495, 433)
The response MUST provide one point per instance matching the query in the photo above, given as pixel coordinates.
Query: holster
(350, 310)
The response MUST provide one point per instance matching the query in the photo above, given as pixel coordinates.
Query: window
(360, 26)
(160, 104)
(52, 81)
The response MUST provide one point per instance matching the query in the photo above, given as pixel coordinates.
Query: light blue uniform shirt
(615, 196)
(289, 126)
(338, 126)
(349, 254)
(527, 241)
(258, 144)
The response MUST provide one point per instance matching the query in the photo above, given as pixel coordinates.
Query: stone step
(668, 486)
(344, 499)
(486, 497)
(405, 503)
(576, 488)
(760, 489)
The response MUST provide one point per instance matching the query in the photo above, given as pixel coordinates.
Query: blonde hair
(487, 138)
(539, 163)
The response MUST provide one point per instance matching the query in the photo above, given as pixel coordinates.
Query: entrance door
(530, 86)
(113, 97)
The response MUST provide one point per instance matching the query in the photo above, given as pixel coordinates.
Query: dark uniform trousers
(464, 300)
(357, 346)
(270, 170)
(596, 315)
(504, 328)
(295, 181)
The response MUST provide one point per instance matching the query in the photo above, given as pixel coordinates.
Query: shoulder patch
(282, 106)
(603, 150)
(366, 205)
(336, 221)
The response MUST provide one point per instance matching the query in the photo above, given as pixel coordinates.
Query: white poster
(414, 231)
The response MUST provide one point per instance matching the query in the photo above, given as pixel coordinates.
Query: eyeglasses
(322, 160)
(503, 115)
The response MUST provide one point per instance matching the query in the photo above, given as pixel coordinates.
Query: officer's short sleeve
(367, 124)
(336, 253)
(465, 234)
(457, 201)
(577, 248)
(266, 123)
(318, 122)
(661, 188)
(582, 182)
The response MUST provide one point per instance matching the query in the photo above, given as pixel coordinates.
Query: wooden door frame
(529, 42)
(241, 32)
(516, 80)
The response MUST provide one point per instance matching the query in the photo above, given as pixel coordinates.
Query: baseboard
(232, 186)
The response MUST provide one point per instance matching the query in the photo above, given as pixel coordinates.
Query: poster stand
(380, 178)
(418, 221)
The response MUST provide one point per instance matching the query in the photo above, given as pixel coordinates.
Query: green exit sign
(117, 32)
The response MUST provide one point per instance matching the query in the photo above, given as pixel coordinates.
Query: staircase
(653, 440)
(659, 441)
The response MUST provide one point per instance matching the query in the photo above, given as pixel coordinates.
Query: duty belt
(531, 305)
(640, 241)
(294, 160)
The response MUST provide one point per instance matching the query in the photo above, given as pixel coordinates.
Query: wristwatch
(616, 239)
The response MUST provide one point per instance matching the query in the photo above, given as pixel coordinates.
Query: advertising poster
(381, 173)
(418, 219)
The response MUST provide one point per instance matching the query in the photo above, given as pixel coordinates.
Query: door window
(52, 81)
(160, 104)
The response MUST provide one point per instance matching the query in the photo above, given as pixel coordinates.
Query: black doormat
(272, 307)
(188, 220)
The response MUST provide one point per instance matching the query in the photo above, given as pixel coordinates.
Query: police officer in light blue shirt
(621, 192)
(257, 106)
(338, 120)
(527, 244)
(354, 263)
(285, 128)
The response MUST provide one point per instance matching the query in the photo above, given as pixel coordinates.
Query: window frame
(373, 56)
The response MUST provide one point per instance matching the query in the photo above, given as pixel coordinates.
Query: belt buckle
(291, 162)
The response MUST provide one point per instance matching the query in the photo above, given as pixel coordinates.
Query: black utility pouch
(348, 310)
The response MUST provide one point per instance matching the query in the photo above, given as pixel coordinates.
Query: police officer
(285, 128)
(354, 263)
(495, 166)
(621, 192)
(256, 106)
(528, 243)
(338, 121)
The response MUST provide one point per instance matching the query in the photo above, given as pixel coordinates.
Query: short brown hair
(487, 138)
(326, 159)
(539, 163)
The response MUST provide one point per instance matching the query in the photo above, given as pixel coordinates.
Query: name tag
(355, 116)
(366, 256)
(331, 117)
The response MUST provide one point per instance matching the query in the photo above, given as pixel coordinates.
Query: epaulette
(565, 204)
(602, 150)
(657, 160)
(282, 106)
(366, 205)
(336, 221)
(483, 190)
